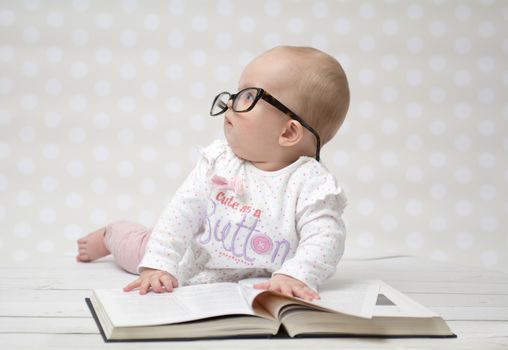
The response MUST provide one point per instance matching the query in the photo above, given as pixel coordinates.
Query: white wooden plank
(479, 329)
(455, 300)
(61, 325)
(93, 341)
(472, 313)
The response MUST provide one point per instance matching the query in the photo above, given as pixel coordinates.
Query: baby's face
(254, 135)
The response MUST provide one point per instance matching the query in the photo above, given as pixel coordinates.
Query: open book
(224, 310)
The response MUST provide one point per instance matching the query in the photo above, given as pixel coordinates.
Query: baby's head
(308, 82)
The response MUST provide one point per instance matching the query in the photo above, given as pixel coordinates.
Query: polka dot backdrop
(103, 106)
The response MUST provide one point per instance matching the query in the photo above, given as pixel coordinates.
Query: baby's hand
(288, 286)
(154, 279)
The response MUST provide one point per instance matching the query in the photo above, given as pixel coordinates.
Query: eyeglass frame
(263, 94)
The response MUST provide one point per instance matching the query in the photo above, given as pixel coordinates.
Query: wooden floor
(42, 306)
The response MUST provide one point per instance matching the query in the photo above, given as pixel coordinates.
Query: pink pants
(127, 241)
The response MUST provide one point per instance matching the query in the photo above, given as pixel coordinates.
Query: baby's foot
(92, 246)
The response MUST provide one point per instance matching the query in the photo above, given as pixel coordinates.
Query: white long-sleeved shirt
(230, 220)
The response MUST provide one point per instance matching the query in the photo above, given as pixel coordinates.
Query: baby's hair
(322, 89)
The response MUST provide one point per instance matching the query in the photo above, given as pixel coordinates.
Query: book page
(402, 306)
(183, 304)
(352, 297)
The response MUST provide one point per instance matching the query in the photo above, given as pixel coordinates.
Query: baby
(259, 204)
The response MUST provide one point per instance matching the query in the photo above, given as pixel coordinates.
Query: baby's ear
(291, 134)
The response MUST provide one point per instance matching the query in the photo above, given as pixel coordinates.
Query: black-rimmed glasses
(246, 99)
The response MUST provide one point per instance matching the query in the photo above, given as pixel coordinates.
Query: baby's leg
(127, 241)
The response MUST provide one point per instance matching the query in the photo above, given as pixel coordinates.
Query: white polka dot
(23, 230)
(53, 87)
(224, 7)
(102, 120)
(414, 110)
(147, 218)
(24, 198)
(174, 137)
(488, 192)
(199, 58)
(464, 240)
(463, 175)
(414, 142)
(365, 207)
(463, 143)
(31, 35)
(464, 207)
(74, 200)
(149, 121)
(102, 88)
(129, 38)
(414, 45)
(367, 10)
(27, 134)
(7, 18)
(26, 166)
(73, 232)
(437, 94)
(438, 28)
(126, 136)
(487, 160)
(80, 37)
(4, 182)
(147, 186)
(151, 57)
(129, 6)
(29, 102)
(463, 12)
(415, 240)
(52, 119)
(103, 56)
(99, 185)
(124, 201)
(77, 135)
(296, 25)
(49, 184)
(151, 22)
(247, 24)
(390, 27)
(486, 64)
(79, 70)
(462, 78)
(197, 122)
(462, 110)
(55, 19)
(78, 103)
(124, 168)
(47, 215)
(488, 224)
(437, 63)
(272, 8)
(173, 170)
(148, 154)
(103, 21)
(199, 23)
(150, 89)
(414, 77)
(489, 258)
(389, 191)
(389, 159)
(366, 239)
(320, 42)
(342, 26)
(5, 150)
(54, 54)
(439, 255)
(437, 127)
(438, 191)
(486, 29)
(462, 45)
(75, 168)
(487, 96)
(223, 40)
(6, 53)
(101, 153)
(414, 207)
(415, 11)
(245, 58)
(20, 255)
(270, 40)
(127, 104)
(30, 68)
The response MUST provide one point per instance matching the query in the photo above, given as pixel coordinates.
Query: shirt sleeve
(182, 219)
(322, 233)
